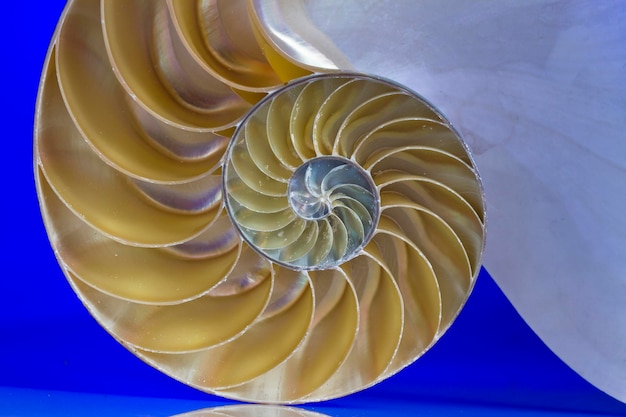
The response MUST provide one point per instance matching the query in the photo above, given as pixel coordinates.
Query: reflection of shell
(129, 147)
(252, 411)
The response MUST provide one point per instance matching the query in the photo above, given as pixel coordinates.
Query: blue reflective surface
(55, 360)
(21, 402)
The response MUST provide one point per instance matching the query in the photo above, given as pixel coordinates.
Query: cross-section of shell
(255, 239)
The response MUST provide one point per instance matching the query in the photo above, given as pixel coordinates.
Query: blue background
(49, 343)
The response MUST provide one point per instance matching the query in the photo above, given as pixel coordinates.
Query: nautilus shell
(244, 221)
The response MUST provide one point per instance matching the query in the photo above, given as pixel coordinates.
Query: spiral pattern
(321, 249)
(304, 213)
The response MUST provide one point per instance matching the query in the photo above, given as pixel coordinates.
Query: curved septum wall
(323, 248)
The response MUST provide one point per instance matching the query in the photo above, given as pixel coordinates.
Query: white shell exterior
(538, 89)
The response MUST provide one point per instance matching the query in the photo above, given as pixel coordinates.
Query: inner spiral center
(320, 183)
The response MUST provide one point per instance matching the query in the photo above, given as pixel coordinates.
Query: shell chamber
(323, 248)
